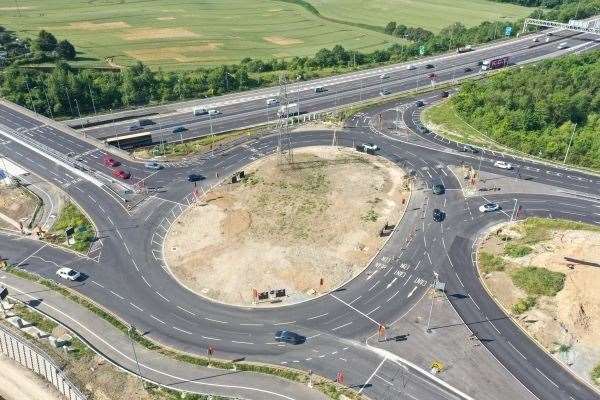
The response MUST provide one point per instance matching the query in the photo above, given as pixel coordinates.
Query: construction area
(292, 230)
(546, 274)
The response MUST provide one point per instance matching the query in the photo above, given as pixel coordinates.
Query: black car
(133, 128)
(195, 177)
(444, 94)
(438, 215)
(179, 129)
(468, 69)
(419, 103)
(438, 189)
(422, 129)
(469, 149)
(429, 66)
(289, 337)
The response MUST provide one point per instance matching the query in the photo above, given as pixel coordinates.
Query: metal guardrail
(39, 362)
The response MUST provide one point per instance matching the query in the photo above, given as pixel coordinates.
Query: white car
(384, 76)
(370, 146)
(68, 274)
(489, 207)
(213, 111)
(410, 67)
(503, 165)
(272, 102)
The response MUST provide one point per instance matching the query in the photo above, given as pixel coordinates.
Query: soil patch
(16, 204)
(181, 54)
(158, 33)
(286, 226)
(568, 323)
(165, 18)
(282, 41)
(100, 26)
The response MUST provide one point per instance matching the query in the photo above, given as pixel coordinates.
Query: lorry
(494, 63)
(464, 49)
(287, 110)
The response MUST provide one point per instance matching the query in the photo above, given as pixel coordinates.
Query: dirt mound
(287, 226)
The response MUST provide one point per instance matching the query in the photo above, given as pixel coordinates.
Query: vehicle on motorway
(289, 337)
(489, 207)
(444, 94)
(469, 149)
(213, 111)
(429, 66)
(272, 102)
(384, 92)
(200, 111)
(562, 46)
(494, 63)
(370, 146)
(195, 177)
(431, 76)
(134, 128)
(145, 122)
(179, 129)
(121, 174)
(320, 89)
(438, 215)
(110, 162)
(131, 141)
(384, 76)
(503, 165)
(68, 273)
(464, 49)
(410, 67)
(421, 128)
(547, 40)
(468, 69)
(419, 103)
(290, 109)
(536, 39)
(152, 165)
(438, 189)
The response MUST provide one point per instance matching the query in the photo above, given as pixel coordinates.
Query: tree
(390, 28)
(66, 50)
(46, 41)
(139, 84)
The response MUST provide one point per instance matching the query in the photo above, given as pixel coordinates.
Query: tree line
(539, 108)
(64, 91)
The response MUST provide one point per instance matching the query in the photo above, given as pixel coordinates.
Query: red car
(110, 162)
(119, 173)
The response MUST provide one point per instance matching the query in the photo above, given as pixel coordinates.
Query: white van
(562, 45)
(410, 67)
(200, 111)
(213, 111)
(272, 102)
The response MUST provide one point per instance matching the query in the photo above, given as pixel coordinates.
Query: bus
(132, 141)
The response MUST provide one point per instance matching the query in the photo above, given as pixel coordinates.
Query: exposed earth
(286, 226)
(568, 323)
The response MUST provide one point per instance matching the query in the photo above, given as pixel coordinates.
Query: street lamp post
(435, 282)
(570, 142)
(512, 216)
(212, 145)
(79, 112)
(92, 97)
(129, 332)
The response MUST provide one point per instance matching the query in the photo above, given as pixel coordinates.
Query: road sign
(210, 351)
(69, 231)
(339, 378)
(3, 293)
(508, 31)
(421, 50)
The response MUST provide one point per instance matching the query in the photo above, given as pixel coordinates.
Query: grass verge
(596, 375)
(72, 216)
(523, 305)
(489, 262)
(330, 388)
(517, 250)
(537, 281)
(537, 230)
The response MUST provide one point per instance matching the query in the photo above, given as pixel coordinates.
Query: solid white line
(371, 377)
(372, 287)
(31, 255)
(494, 326)
(144, 278)
(341, 326)
(373, 310)
(394, 295)
(355, 309)
(355, 299)
(181, 330)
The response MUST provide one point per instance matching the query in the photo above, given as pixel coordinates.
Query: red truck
(495, 63)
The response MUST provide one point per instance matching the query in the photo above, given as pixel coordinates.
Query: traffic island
(546, 275)
(287, 231)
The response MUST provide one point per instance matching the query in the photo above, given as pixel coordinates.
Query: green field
(185, 34)
(429, 14)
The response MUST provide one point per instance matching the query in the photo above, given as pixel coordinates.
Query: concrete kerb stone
(564, 366)
(367, 265)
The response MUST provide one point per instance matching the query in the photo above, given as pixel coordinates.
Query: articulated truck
(494, 63)
(290, 109)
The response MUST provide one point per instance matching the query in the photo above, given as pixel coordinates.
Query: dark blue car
(289, 337)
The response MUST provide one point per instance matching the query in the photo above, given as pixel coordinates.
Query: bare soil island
(286, 226)
(565, 322)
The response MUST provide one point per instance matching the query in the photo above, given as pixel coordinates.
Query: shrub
(596, 374)
(517, 250)
(523, 305)
(489, 262)
(538, 281)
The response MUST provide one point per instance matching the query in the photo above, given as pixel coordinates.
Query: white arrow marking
(411, 292)
(391, 283)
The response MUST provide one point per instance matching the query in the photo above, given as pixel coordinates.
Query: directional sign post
(508, 31)
(421, 50)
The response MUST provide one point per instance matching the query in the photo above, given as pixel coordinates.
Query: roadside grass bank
(71, 216)
(330, 388)
(541, 272)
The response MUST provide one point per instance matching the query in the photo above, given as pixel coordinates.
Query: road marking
(354, 308)
(412, 292)
(240, 342)
(394, 295)
(136, 307)
(391, 283)
(144, 278)
(117, 295)
(285, 323)
(517, 350)
(209, 338)
(152, 316)
(494, 326)
(181, 330)
(318, 316)
(97, 284)
(252, 324)
(31, 255)
(355, 299)
(373, 310)
(549, 380)
(371, 377)
(163, 297)
(335, 329)
(314, 336)
(215, 320)
(372, 287)
(388, 382)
